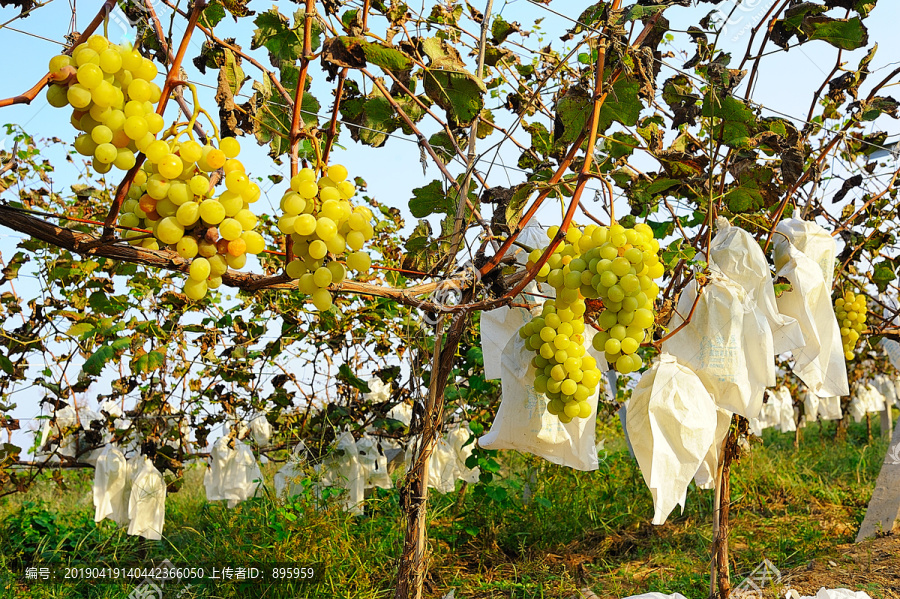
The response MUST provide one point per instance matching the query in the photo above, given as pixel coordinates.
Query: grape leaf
(346, 375)
(429, 200)
(97, 360)
(458, 92)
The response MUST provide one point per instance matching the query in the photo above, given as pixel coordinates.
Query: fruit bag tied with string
(727, 342)
(498, 326)
(671, 421)
(523, 423)
(737, 255)
(820, 363)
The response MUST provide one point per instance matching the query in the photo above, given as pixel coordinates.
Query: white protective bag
(820, 363)
(671, 421)
(876, 401)
(830, 408)
(442, 467)
(885, 386)
(241, 477)
(110, 474)
(705, 478)
(812, 240)
(379, 391)
(214, 479)
(341, 469)
(727, 343)
(457, 437)
(786, 417)
(811, 403)
(147, 502)
(498, 326)
(891, 350)
(261, 430)
(523, 423)
(288, 478)
(736, 254)
(373, 463)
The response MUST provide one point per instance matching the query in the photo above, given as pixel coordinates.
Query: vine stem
(296, 121)
(168, 86)
(179, 98)
(31, 94)
(473, 138)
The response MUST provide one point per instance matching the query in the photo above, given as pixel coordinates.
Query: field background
(541, 531)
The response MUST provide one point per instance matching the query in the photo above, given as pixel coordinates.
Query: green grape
(199, 269)
(188, 213)
(187, 247)
(230, 229)
(212, 212)
(194, 289)
(295, 269)
(169, 231)
(218, 265)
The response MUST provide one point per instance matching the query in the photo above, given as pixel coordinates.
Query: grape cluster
(173, 196)
(565, 372)
(851, 315)
(112, 94)
(616, 265)
(324, 226)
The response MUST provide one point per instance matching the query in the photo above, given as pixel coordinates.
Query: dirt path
(872, 566)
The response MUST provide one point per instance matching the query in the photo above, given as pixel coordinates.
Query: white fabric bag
(736, 254)
(830, 408)
(110, 474)
(402, 412)
(442, 467)
(886, 387)
(457, 437)
(221, 456)
(289, 476)
(705, 478)
(341, 469)
(786, 421)
(241, 477)
(727, 343)
(820, 363)
(379, 391)
(671, 421)
(498, 326)
(876, 402)
(373, 464)
(811, 403)
(261, 430)
(812, 240)
(147, 502)
(523, 423)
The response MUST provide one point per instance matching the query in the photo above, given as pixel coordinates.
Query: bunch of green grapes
(112, 94)
(324, 227)
(566, 373)
(173, 197)
(616, 265)
(850, 311)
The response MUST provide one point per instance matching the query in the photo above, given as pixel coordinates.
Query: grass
(543, 531)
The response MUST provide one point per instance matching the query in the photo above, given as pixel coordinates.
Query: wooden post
(887, 420)
(720, 578)
(414, 495)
